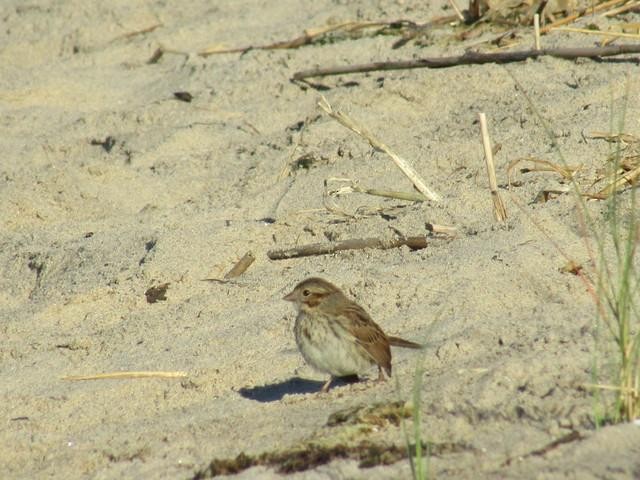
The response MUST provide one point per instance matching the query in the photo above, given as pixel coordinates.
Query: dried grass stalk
(309, 36)
(598, 32)
(567, 171)
(619, 183)
(622, 9)
(499, 209)
(402, 164)
(456, 9)
(142, 31)
(583, 12)
(126, 375)
(354, 187)
(625, 138)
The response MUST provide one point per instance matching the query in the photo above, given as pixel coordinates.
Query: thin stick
(241, 266)
(457, 10)
(597, 32)
(498, 206)
(408, 196)
(378, 145)
(126, 375)
(536, 30)
(415, 243)
(472, 58)
(355, 187)
(570, 437)
(139, 32)
(308, 36)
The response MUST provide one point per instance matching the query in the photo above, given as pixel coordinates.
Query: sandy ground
(187, 188)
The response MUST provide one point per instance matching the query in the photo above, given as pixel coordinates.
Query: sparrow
(337, 336)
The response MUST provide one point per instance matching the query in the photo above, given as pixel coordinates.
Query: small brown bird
(336, 335)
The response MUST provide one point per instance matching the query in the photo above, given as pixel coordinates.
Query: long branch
(471, 58)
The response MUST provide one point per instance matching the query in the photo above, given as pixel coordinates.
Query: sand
(109, 185)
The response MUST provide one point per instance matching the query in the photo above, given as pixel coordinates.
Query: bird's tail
(401, 342)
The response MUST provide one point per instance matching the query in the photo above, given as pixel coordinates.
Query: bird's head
(310, 293)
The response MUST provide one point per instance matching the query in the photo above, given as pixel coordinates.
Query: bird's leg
(325, 387)
(381, 377)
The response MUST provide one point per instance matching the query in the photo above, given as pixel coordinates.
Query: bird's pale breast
(328, 347)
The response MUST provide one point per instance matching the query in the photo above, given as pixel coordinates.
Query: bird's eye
(306, 293)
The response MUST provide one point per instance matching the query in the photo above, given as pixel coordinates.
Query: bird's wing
(401, 342)
(367, 334)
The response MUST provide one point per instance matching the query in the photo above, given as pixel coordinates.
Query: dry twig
(415, 243)
(471, 58)
(378, 145)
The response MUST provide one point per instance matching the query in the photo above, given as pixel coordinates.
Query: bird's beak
(291, 297)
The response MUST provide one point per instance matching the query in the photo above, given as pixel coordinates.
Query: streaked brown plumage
(336, 335)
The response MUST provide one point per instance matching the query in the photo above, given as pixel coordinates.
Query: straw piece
(354, 187)
(536, 30)
(498, 206)
(629, 177)
(597, 32)
(567, 172)
(622, 9)
(611, 387)
(241, 266)
(126, 375)
(457, 10)
(309, 36)
(415, 243)
(408, 196)
(142, 31)
(585, 11)
(615, 137)
(378, 145)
